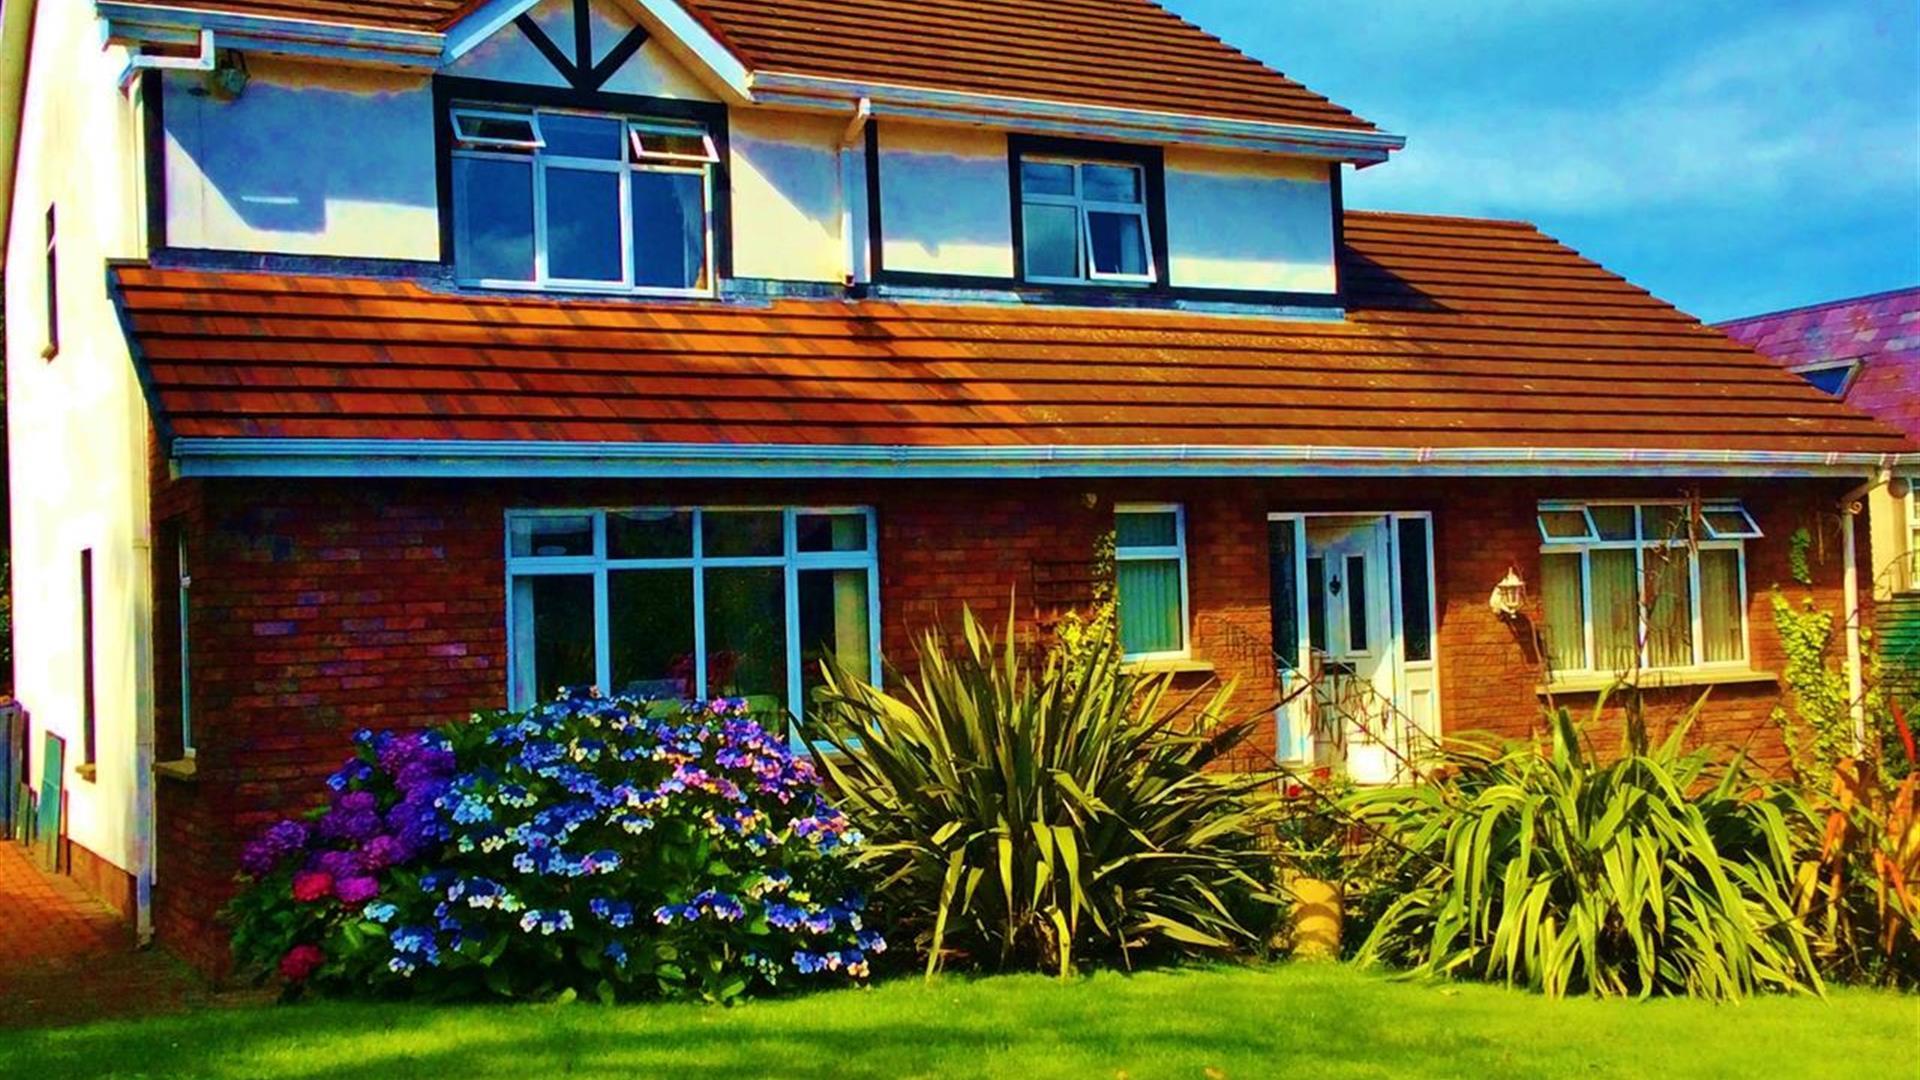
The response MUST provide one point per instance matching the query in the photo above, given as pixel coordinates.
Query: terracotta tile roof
(1129, 53)
(1461, 333)
(1125, 53)
(1881, 331)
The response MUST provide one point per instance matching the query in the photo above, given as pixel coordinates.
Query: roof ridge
(1821, 305)
(1410, 215)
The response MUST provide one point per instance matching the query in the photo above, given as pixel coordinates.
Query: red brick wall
(323, 607)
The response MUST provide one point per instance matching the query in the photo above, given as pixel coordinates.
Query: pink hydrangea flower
(300, 962)
(312, 885)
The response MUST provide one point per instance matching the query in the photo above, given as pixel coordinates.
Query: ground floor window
(1150, 567)
(1628, 586)
(690, 602)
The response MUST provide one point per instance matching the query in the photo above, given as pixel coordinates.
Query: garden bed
(1298, 1020)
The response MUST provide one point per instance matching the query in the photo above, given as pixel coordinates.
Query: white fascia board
(722, 70)
(482, 23)
(140, 24)
(203, 457)
(1060, 117)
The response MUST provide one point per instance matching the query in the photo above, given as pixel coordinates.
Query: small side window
(52, 348)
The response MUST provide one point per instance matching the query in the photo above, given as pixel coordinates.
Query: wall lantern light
(1509, 597)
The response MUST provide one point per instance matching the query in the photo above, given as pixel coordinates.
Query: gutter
(135, 25)
(266, 457)
(1071, 119)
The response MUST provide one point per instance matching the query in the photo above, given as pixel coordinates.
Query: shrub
(1859, 878)
(588, 846)
(1652, 874)
(1040, 816)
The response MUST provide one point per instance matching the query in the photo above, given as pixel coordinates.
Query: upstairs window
(566, 200)
(1644, 586)
(1084, 221)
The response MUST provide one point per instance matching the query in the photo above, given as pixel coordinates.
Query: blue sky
(1733, 156)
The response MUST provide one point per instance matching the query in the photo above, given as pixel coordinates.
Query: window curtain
(1565, 610)
(1720, 624)
(1616, 609)
(1150, 606)
(1670, 607)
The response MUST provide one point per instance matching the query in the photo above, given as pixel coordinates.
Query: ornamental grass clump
(1049, 815)
(586, 847)
(1655, 873)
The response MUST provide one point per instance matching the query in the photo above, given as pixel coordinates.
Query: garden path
(65, 957)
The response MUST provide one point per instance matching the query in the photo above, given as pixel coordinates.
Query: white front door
(1352, 628)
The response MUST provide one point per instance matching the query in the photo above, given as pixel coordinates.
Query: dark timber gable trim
(579, 70)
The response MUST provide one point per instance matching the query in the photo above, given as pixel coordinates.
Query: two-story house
(374, 362)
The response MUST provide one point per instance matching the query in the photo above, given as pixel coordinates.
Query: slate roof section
(1131, 54)
(1881, 331)
(1461, 333)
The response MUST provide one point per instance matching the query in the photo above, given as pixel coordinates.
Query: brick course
(321, 607)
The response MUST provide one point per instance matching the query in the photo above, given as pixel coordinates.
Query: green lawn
(1305, 1021)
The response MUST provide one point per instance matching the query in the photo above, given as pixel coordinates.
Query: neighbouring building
(373, 363)
(1866, 352)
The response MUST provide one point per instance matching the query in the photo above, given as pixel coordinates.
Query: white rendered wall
(77, 429)
(1248, 221)
(309, 160)
(787, 196)
(945, 207)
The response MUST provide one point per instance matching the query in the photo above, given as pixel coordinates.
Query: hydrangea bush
(588, 846)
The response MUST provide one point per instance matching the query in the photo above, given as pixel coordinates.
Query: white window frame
(1178, 551)
(1640, 547)
(1852, 368)
(187, 748)
(599, 565)
(1086, 208)
(540, 161)
(638, 129)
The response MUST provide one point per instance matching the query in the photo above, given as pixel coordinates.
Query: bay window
(545, 198)
(1150, 568)
(1629, 586)
(690, 603)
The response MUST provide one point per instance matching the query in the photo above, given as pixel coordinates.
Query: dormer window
(1088, 213)
(1085, 221)
(568, 200)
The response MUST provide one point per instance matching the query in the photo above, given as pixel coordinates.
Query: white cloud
(1764, 115)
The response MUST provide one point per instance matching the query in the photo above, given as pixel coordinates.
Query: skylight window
(1833, 378)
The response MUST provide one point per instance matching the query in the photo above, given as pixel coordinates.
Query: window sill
(1654, 680)
(1170, 666)
(88, 772)
(185, 769)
